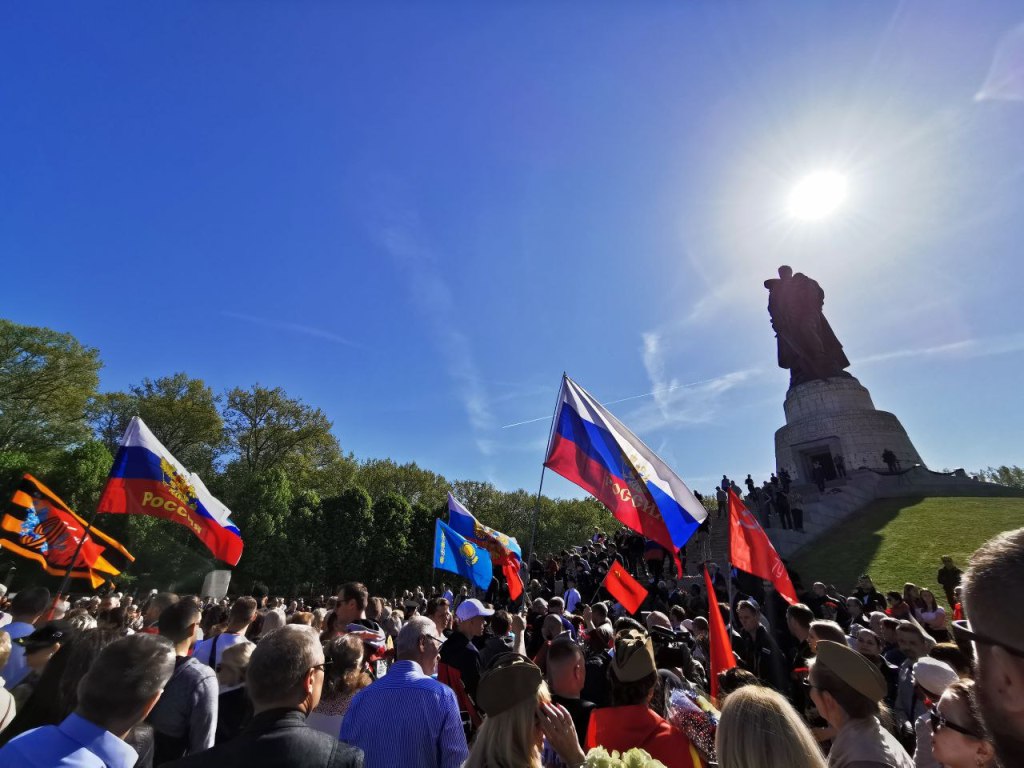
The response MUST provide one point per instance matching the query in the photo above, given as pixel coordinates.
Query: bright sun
(817, 195)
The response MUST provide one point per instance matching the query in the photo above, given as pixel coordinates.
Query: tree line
(311, 515)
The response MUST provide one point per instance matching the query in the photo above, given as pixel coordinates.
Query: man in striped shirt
(406, 717)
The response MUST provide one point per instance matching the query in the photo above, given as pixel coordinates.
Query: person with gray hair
(410, 703)
(284, 679)
(121, 687)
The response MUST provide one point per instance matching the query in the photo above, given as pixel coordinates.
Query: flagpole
(536, 511)
(536, 506)
(728, 561)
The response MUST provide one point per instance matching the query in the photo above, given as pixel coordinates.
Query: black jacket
(762, 656)
(460, 653)
(277, 738)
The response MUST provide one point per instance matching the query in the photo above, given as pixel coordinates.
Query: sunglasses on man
(966, 638)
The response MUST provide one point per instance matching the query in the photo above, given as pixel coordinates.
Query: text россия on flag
(147, 480)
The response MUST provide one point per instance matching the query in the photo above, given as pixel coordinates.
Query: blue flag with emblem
(460, 555)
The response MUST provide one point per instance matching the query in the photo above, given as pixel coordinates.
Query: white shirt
(223, 641)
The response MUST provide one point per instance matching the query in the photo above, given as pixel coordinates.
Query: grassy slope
(900, 540)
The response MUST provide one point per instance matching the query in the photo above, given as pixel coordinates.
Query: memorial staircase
(843, 497)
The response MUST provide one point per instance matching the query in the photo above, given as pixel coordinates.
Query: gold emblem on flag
(469, 553)
(178, 485)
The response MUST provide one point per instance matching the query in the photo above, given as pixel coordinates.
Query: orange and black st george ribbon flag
(41, 527)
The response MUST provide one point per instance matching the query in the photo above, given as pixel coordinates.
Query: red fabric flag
(751, 551)
(624, 587)
(510, 569)
(721, 649)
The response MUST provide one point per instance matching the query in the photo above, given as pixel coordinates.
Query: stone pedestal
(837, 417)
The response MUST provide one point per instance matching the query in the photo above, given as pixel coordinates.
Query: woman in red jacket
(630, 722)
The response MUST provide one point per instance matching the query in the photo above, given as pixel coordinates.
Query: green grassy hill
(901, 540)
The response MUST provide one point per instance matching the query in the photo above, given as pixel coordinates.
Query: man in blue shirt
(26, 609)
(117, 692)
(407, 718)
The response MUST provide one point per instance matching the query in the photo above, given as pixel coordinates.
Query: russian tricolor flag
(596, 451)
(147, 480)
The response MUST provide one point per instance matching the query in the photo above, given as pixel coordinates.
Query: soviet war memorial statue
(808, 348)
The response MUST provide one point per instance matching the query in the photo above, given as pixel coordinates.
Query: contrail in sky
(625, 399)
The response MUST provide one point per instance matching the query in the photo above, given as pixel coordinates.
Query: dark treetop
(807, 345)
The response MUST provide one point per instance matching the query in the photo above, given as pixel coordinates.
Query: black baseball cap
(51, 633)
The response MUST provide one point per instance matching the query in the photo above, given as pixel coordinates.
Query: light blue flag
(460, 555)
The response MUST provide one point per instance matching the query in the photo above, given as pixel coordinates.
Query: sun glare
(817, 195)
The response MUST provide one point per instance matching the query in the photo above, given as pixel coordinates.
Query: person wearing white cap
(458, 652)
(932, 677)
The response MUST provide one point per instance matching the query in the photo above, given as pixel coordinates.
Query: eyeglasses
(965, 635)
(323, 666)
(938, 721)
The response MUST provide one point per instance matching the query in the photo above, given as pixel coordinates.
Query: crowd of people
(454, 677)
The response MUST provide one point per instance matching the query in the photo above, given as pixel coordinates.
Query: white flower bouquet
(599, 757)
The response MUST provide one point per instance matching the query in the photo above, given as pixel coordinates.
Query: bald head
(658, 619)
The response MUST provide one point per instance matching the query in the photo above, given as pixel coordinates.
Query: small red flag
(751, 551)
(624, 587)
(721, 649)
(510, 569)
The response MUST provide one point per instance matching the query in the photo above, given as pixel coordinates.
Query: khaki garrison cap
(634, 656)
(852, 668)
(510, 680)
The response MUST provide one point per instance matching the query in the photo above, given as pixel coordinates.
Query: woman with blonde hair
(344, 677)
(758, 728)
(958, 736)
(272, 619)
(233, 707)
(520, 715)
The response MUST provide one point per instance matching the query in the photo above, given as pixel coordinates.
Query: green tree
(267, 429)
(46, 379)
(1012, 477)
(347, 525)
(417, 485)
(261, 504)
(79, 476)
(180, 411)
(388, 544)
(13, 464)
(108, 414)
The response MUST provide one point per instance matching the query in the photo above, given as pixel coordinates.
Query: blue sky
(417, 215)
